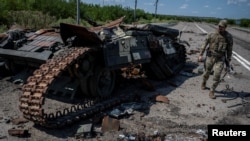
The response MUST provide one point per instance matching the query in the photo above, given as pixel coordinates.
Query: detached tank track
(36, 88)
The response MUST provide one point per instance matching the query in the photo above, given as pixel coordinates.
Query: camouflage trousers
(213, 64)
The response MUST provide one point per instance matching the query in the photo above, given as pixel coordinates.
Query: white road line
(240, 57)
(204, 31)
(184, 28)
(236, 56)
(242, 61)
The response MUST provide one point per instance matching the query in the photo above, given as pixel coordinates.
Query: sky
(233, 9)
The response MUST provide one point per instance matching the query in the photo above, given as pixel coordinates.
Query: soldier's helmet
(223, 23)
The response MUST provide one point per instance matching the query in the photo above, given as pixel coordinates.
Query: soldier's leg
(218, 67)
(209, 66)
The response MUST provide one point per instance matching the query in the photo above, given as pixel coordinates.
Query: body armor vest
(218, 44)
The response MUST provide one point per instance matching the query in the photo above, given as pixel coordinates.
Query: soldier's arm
(204, 45)
(229, 47)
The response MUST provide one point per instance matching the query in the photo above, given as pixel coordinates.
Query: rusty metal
(133, 71)
(19, 120)
(110, 124)
(161, 98)
(34, 92)
(18, 132)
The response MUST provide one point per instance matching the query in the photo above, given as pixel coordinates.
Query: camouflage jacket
(219, 44)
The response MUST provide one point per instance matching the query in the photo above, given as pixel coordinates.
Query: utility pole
(78, 12)
(135, 10)
(156, 4)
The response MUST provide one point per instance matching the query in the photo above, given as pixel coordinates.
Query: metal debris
(133, 71)
(117, 113)
(161, 98)
(126, 109)
(201, 69)
(19, 120)
(84, 131)
(110, 124)
(201, 132)
(186, 74)
(18, 132)
(127, 137)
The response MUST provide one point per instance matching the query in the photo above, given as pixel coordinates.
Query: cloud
(235, 1)
(206, 6)
(218, 8)
(148, 3)
(213, 13)
(184, 6)
(161, 4)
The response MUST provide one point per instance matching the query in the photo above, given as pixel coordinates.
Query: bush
(3, 28)
(31, 19)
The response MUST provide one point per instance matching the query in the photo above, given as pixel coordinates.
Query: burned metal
(110, 124)
(18, 132)
(161, 98)
(78, 66)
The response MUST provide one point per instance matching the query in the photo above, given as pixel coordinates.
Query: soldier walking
(220, 46)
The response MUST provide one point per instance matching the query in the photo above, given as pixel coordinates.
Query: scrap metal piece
(110, 124)
(84, 131)
(18, 132)
(161, 98)
(19, 120)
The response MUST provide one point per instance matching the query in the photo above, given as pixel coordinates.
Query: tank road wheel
(163, 65)
(181, 57)
(102, 82)
(84, 74)
(182, 54)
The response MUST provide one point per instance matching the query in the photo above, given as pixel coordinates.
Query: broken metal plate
(110, 124)
(19, 120)
(86, 128)
(17, 132)
(161, 98)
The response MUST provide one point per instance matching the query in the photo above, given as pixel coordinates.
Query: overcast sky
(234, 9)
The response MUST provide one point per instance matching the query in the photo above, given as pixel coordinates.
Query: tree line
(43, 13)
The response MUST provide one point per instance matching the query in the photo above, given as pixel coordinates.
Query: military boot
(203, 85)
(211, 95)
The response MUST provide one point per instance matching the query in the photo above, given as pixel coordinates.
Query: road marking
(204, 31)
(241, 60)
(236, 56)
(184, 28)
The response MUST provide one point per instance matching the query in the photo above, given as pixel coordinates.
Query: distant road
(241, 37)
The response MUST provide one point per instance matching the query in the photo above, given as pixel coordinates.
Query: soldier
(220, 48)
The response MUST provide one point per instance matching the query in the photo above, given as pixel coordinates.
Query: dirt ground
(184, 117)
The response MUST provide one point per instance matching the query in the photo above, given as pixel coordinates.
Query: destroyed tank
(73, 65)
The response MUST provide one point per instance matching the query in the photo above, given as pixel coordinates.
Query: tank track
(35, 90)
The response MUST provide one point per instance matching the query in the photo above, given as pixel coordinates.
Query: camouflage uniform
(220, 48)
